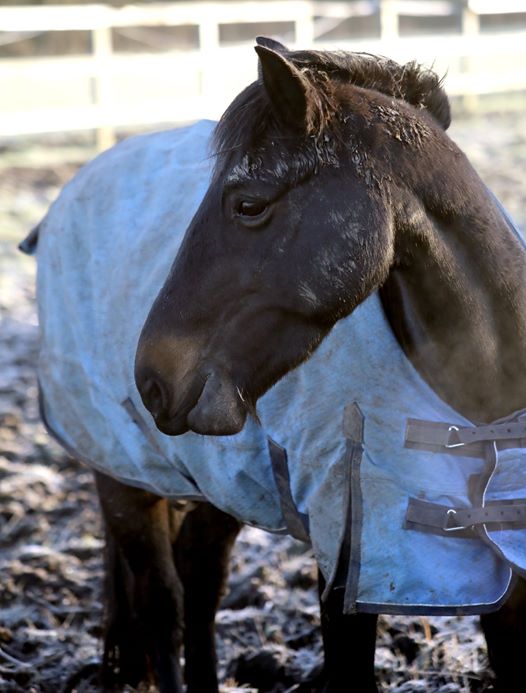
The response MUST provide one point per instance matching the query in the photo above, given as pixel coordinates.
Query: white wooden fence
(106, 89)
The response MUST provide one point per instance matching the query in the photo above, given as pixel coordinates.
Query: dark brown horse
(334, 178)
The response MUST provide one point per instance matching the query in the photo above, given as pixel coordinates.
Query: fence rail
(106, 89)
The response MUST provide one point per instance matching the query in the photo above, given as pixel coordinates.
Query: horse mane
(413, 83)
(418, 86)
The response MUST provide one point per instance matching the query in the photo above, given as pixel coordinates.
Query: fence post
(210, 70)
(470, 28)
(304, 34)
(102, 51)
(389, 24)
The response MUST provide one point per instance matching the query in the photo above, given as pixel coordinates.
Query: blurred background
(74, 66)
(74, 78)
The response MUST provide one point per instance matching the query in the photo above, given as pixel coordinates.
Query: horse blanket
(353, 438)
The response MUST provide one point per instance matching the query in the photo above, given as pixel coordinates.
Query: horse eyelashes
(251, 208)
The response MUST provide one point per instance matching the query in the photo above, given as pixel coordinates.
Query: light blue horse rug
(423, 511)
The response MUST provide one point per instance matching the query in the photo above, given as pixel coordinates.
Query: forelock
(245, 122)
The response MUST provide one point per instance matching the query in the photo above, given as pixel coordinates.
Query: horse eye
(251, 208)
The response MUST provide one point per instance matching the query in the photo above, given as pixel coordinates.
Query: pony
(334, 179)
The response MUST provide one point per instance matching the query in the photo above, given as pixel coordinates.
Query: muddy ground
(50, 530)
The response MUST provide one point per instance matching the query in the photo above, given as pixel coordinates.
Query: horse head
(297, 228)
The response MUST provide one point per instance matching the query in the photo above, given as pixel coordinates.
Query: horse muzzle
(204, 402)
(220, 409)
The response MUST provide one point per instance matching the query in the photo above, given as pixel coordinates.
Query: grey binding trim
(433, 610)
(511, 224)
(352, 428)
(485, 531)
(297, 523)
(354, 432)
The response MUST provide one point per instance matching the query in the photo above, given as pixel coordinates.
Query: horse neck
(456, 298)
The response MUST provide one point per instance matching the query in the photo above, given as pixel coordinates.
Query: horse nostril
(153, 395)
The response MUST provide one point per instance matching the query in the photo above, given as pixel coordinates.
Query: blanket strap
(463, 440)
(29, 244)
(297, 523)
(428, 516)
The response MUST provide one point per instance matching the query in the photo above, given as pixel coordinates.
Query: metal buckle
(451, 513)
(453, 445)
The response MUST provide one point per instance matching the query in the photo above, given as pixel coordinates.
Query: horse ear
(287, 89)
(274, 45)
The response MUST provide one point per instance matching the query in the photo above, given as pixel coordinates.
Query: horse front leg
(202, 552)
(349, 643)
(505, 632)
(144, 621)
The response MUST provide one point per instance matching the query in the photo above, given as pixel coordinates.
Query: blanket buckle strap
(450, 516)
(471, 441)
(448, 444)
(427, 516)
(297, 523)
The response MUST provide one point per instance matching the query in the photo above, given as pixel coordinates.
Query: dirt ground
(50, 530)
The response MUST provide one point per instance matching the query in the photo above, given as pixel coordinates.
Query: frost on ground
(50, 530)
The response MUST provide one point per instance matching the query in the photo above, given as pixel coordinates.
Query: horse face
(289, 238)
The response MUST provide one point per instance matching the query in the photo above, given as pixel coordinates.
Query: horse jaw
(220, 410)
